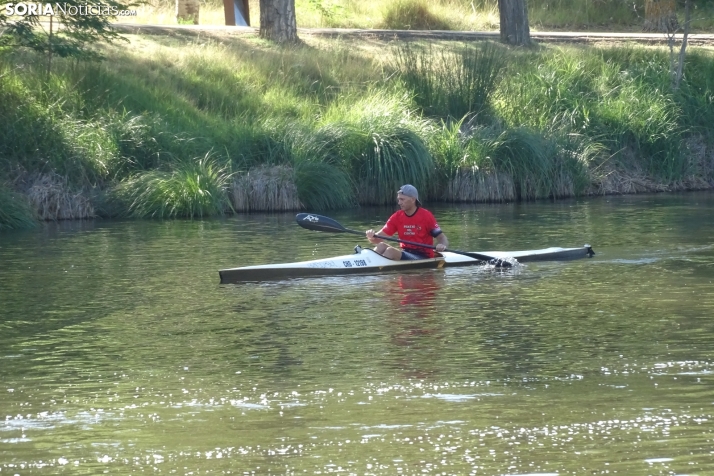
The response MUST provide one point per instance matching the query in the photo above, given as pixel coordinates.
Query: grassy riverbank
(479, 15)
(197, 127)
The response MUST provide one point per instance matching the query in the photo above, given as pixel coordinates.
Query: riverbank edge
(273, 189)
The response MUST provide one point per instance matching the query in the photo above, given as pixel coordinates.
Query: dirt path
(569, 37)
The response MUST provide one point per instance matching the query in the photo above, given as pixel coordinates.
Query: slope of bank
(196, 126)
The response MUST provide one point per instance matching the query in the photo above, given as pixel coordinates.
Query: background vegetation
(194, 127)
(579, 15)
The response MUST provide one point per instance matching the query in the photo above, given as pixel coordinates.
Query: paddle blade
(319, 223)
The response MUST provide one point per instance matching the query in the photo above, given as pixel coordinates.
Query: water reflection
(414, 322)
(417, 291)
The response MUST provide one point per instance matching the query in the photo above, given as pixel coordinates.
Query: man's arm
(442, 242)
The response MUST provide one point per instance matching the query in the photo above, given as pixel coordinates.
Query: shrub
(194, 188)
(381, 143)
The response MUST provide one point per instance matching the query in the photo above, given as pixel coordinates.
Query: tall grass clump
(450, 82)
(39, 131)
(323, 186)
(617, 97)
(266, 188)
(321, 172)
(696, 93)
(412, 15)
(489, 163)
(381, 143)
(306, 155)
(192, 189)
(15, 210)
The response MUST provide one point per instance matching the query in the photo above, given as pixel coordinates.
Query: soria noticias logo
(51, 9)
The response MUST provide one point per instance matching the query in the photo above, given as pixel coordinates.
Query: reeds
(15, 210)
(192, 189)
(322, 186)
(475, 185)
(53, 198)
(265, 189)
(494, 164)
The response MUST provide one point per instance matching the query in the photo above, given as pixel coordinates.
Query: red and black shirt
(421, 227)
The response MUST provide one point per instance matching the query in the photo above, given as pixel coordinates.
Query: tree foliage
(72, 28)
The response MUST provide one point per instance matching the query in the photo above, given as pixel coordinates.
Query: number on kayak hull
(357, 262)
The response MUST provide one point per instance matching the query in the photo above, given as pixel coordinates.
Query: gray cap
(410, 191)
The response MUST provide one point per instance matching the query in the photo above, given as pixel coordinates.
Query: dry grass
(413, 15)
(480, 186)
(616, 180)
(53, 199)
(266, 189)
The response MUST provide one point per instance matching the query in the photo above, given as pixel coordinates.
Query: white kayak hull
(366, 261)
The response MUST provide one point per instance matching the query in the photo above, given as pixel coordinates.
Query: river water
(121, 353)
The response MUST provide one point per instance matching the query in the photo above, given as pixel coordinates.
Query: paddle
(321, 223)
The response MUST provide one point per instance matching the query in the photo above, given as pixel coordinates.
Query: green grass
(540, 165)
(413, 15)
(381, 143)
(447, 82)
(193, 189)
(158, 129)
(15, 211)
(620, 97)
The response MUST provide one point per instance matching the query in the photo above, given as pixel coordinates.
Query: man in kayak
(411, 223)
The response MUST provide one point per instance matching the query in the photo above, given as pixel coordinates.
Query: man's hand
(442, 242)
(370, 236)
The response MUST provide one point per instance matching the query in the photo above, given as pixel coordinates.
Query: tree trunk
(277, 21)
(660, 16)
(187, 11)
(680, 65)
(50, 44)
(514, 22)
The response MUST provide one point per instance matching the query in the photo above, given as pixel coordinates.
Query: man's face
(405, 203)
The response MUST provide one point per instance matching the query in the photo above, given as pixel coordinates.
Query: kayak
(366, 261)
